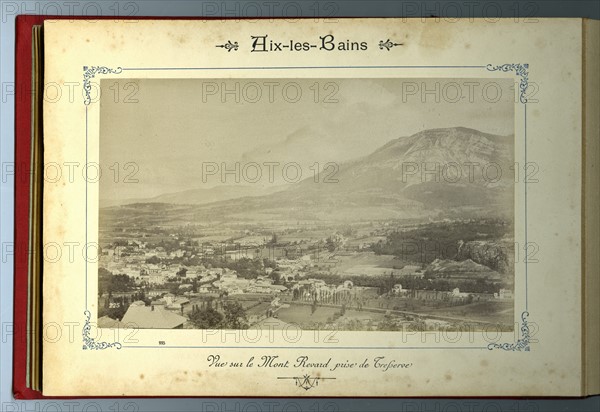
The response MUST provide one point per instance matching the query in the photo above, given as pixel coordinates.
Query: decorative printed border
(307, 382)
(520, 345)
(89, 342)
(521, 70)
(89, 73)
(229, 46)
(388, 44)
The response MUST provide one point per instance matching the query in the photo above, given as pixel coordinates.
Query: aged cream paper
(81, 360)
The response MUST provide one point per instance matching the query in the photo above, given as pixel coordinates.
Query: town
(371, 275)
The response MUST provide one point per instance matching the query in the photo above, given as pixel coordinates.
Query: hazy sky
(173, 126)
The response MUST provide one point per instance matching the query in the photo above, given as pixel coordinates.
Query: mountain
(200, 196)
(439, 168)
(471, 177)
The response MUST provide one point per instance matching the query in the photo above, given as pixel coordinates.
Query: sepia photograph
(351, 204)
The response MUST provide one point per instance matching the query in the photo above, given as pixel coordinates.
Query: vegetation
(245, 267)
(109, 283)
(439, 240)
(232, 316)
(385, 284)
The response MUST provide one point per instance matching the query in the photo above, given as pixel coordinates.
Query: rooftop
(109, 323)
(144, 317)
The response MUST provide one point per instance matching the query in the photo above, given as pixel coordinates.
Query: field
(366, 263)
(301, 315)
(491, 312)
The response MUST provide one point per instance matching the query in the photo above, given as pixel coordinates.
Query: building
(109, 323)
(152, 317)
(456, 293)
(157, 292)
(172, 302)
(504, 294)
(207, 289)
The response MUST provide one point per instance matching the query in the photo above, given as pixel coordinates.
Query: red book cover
(23, 95)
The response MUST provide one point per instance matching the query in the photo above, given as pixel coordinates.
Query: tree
(235, 316)
(276, 276)
(273, 240)
(153, 260)
(330, 244)
(173, 288)
(268, 263)
(208, 318)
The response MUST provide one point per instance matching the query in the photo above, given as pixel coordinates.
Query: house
(289, 277)
(264, 279)
(151, 269)
(152, 317)
(156, 279)
(191, 274)
(131, 272)
(169, 301)
(207, 278)
(504, 294)
(139, 244)
(158, 304)
(119, 250)
(178, 253)
(456, 293)
(109, 323)
(179, 303)
(227, 277)
(157, 292)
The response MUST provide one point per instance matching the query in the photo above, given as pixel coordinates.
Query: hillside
(385, 184)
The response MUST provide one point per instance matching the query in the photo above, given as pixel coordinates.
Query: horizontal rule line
(301, 347)
(301, 67)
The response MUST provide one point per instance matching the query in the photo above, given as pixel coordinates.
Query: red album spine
(22, 166)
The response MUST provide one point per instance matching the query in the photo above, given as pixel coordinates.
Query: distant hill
(200, 196)
(387, 183)
(400, 170)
